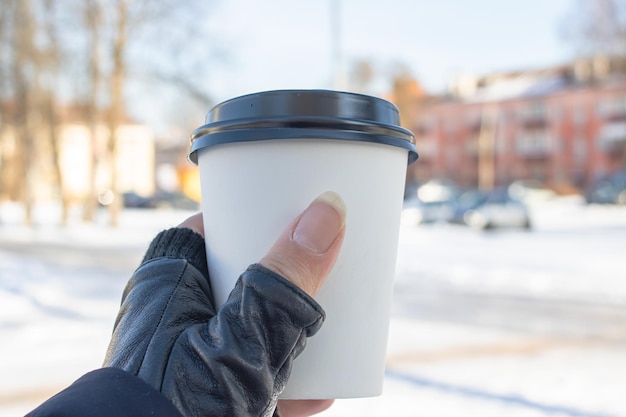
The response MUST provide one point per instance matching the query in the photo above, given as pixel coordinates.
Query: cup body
(252, 190)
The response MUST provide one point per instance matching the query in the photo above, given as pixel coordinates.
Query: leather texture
(230, 362)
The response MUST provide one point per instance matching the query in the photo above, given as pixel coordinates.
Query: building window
(533, 143)
(612, 135)
(612, 107)
(533, 111)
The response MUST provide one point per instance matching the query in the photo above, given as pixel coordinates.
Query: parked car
(432, 202)
(530, 191)
(608, 190)
(418, 212)
(490, 210)
(133, 200)
(161, 200)
(466, 201)
(173, 200)
(437, 190)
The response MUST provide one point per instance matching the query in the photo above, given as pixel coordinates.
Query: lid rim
(255, 135)
(305, 122)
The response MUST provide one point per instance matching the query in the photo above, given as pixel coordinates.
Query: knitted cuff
(180, 243)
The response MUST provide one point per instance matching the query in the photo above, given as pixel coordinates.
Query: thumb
(307, 250)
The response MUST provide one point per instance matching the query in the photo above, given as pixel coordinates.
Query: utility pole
(339, 78)
(486, 148)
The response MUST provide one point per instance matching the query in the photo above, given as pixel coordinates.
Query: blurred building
(173, 169)
(564, 126)
(135, 161)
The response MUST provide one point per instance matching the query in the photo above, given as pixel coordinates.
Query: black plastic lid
(303, 114)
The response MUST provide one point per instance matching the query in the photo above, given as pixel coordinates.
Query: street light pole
(339, 80)
(486, 148)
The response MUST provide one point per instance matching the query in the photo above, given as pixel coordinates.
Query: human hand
(306, 251)
(234, 361)
(194, 223)
(315, 242)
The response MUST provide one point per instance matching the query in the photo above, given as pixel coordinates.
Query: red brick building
(562, 126)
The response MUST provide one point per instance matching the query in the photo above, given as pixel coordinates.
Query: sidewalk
(439, 369)
(481, 323)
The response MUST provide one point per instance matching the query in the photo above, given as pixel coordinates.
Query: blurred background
(510, 289)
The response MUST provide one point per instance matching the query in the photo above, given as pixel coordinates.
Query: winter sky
(294, 44)
(288, 43)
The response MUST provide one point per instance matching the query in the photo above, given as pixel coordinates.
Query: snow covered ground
(516, 323)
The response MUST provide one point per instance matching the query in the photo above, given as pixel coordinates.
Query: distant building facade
(135, 162)
(173, 169)
(563, 126)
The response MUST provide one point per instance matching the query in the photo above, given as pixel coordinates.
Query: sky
(289, 43)
(284, 44)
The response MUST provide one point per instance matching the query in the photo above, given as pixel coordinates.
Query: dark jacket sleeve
(107, 392)
(114, 392)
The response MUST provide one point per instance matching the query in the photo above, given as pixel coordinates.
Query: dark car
(433, 202)
(490, 210)
(416, 212)
(173, 200)
(133, 200)
(160, 200)
(608, 190)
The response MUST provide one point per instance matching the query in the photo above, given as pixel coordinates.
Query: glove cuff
(181, 243)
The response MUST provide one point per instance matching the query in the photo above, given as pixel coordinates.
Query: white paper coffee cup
(263, 158)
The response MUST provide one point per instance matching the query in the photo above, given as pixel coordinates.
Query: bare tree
(48, 100)
(5, 159)
(116, 106)
(185, 60)
(33, 39)
(130, 18)
(31, 62)
(23, 65)
(92, 21)
(597, 27)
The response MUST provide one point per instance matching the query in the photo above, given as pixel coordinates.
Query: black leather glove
(230, 362)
